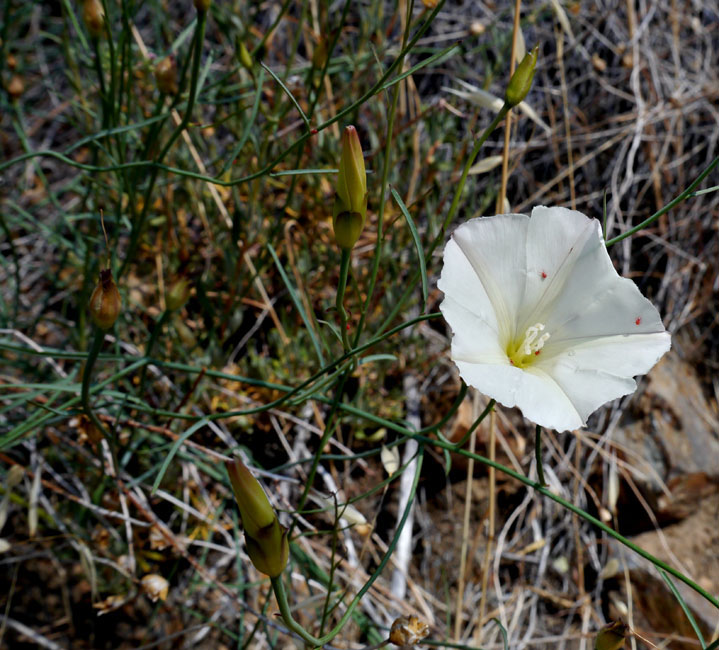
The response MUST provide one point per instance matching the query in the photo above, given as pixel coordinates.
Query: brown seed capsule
(16, 86)
(105, 302)
(93, 13)
(408, 631)
(202, 5)
(155, 586)
(166, 76)
(612, 636)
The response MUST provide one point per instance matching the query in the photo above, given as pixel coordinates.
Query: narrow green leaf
(685, 608)
(420, 65)
(289, 94)
(248, 126)
(297, 172)
(505, 641)
(417, 243)
(173, 450)
(298, 304)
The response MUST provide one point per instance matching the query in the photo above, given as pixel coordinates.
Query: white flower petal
(557, 242)
(474, 340)
(535, 393)
(616, 308)
(622, 355)
(588, 389)
(460, 282)
(496, 249)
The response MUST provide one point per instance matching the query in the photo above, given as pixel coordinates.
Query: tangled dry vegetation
(624, 103)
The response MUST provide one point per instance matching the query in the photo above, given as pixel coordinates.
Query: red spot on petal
(638, 321)
(544, 275)
(536, 353)
(512, 362)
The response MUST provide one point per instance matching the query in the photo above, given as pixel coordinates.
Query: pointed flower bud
(245, 57)
(319, 56)
(166, 75)
(352, 178)
(521, 80)
(350, 209)
(93, 13)
(105, 301)
(265, 538)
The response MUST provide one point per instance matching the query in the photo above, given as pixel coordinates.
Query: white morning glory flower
(540, 318)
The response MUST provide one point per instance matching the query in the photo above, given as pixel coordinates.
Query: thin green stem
(411, 285)
(329, 427)
(156, 331)
(538, 455)
(339, 302)
(383, 189)
(684, 195)
(281, 594)
(105, 100)
(539, 488)
(467, 166)
(487, 410)
(299, 143)
(98, 338)
(138, 226)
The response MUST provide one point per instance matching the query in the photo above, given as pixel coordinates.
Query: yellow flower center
(523, 352)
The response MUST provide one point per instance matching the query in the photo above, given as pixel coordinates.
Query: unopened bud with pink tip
(265, 538)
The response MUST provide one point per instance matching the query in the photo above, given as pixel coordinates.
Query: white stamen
(532, 344)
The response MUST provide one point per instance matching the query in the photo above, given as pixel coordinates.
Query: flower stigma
(521, 353)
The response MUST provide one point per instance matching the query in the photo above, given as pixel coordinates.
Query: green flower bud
(319, 56)
(245, 57)
(350, 209)
(178, 295)
(166, 76)
(352, 178)
(270, 550)
(346, 225)
(14, 476)
(265, 538)
(521, 80)
(105, 301)
(611, 637)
